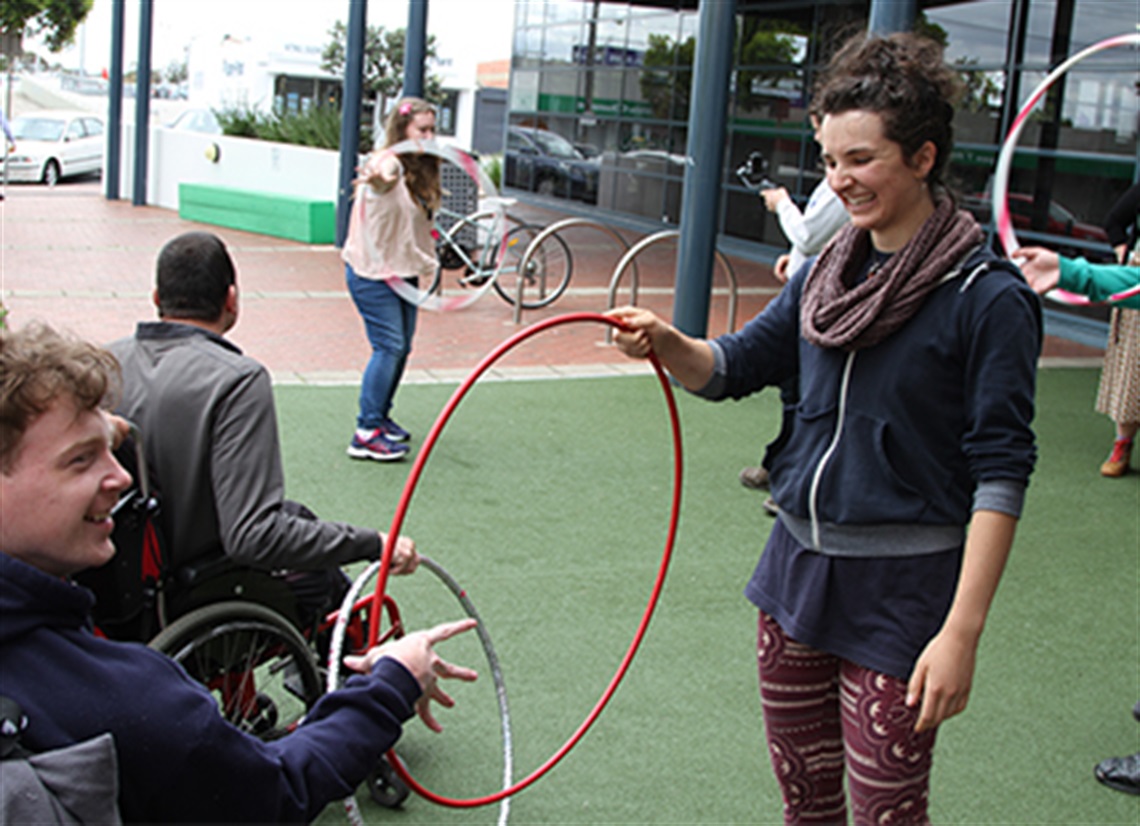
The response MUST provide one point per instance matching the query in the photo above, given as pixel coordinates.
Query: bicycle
(471, 244)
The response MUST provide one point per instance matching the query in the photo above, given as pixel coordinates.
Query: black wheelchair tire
(217, 643)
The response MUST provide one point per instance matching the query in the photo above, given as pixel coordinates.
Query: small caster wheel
(385, 787)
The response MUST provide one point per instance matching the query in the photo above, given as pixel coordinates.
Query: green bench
(308, 220)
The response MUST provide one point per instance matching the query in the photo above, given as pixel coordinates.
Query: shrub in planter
(319, 127)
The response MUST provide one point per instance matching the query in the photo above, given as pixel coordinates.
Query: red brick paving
(81, 262)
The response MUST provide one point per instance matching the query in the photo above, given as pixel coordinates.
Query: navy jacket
(179, 761)
(894, 446)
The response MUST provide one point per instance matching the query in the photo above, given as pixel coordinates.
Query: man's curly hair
(38, 366)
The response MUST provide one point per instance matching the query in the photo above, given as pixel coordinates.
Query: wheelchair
(236, 630)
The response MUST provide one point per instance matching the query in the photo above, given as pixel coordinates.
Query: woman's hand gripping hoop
(1005, 162)
(405, 500)
(496, 232)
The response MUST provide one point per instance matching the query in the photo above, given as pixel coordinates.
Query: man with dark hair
(195, 272)
(176, 759)
(209, 427)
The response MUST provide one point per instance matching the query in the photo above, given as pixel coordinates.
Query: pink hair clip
(405, 108)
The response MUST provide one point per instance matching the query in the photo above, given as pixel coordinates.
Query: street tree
(383, 63)
(53, 20)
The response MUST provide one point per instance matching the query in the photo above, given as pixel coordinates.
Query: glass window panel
(1091, 22)
(690, 25)
(974, 33)
(564, 46)
(612, 11)
(559, 11)
(770, 97)
(632, 65)
(527, 45)
(977, 118)
(524, 91)
(765, 41)
(558, 92)
(595, 138)
(746, 217)
(1063, 202)
(643, 30)
(633, 193)
(608, 32)
(1096, 20)
(641, 136)
(1098, 110)
(604, 88)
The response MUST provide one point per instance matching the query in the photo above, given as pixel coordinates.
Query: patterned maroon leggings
(825, 716)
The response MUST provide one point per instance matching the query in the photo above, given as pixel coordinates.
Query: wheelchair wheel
(385, 786)
(257, 666)
(547, 273)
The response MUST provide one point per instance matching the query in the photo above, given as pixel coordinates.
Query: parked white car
(51, 145)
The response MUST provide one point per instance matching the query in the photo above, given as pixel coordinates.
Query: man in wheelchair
(178, 759)
(209, 427)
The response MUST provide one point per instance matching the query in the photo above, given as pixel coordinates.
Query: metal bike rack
(637, 249)
(565, 223)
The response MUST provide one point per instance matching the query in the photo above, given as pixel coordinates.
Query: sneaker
(393, 432)
(1120, 773)
(1117, 462)
(378, 447)
(754, 478)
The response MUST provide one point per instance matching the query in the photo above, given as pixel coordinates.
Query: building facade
(614, 79)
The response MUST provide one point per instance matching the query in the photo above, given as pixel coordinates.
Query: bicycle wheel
(466, 244)
(257, 666)
(547, 273)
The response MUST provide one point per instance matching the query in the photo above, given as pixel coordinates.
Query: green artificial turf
(549, 502)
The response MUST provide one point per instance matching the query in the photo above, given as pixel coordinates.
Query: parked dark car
(542, 161)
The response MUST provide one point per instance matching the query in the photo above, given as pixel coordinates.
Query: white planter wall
(180, 157)
(177, 156)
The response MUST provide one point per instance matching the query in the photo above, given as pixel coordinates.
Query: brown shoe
(1117, 462)
(754, 478)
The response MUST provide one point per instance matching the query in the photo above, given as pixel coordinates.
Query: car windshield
(37, 129)
(555, 145)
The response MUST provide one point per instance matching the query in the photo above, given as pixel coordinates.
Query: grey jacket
(209, 428)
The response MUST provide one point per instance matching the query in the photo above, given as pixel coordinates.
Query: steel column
(115, 103)
(704, 169)
(350, 113)
(415, 49)
(889, 16)
(142, 102)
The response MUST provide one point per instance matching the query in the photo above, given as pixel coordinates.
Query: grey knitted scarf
(834, 314)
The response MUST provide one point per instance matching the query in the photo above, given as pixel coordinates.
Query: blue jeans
(390, 323)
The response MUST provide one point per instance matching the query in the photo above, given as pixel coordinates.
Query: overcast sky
(465, 30)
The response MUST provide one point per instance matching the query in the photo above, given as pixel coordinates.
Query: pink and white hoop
(1005, 162)
(497, 232)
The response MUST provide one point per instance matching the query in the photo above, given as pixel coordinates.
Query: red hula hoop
(405, 500)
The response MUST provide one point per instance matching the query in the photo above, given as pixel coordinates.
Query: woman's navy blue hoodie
(179, 761)
(894, 446)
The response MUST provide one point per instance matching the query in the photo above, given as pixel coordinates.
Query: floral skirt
(1119, 394)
